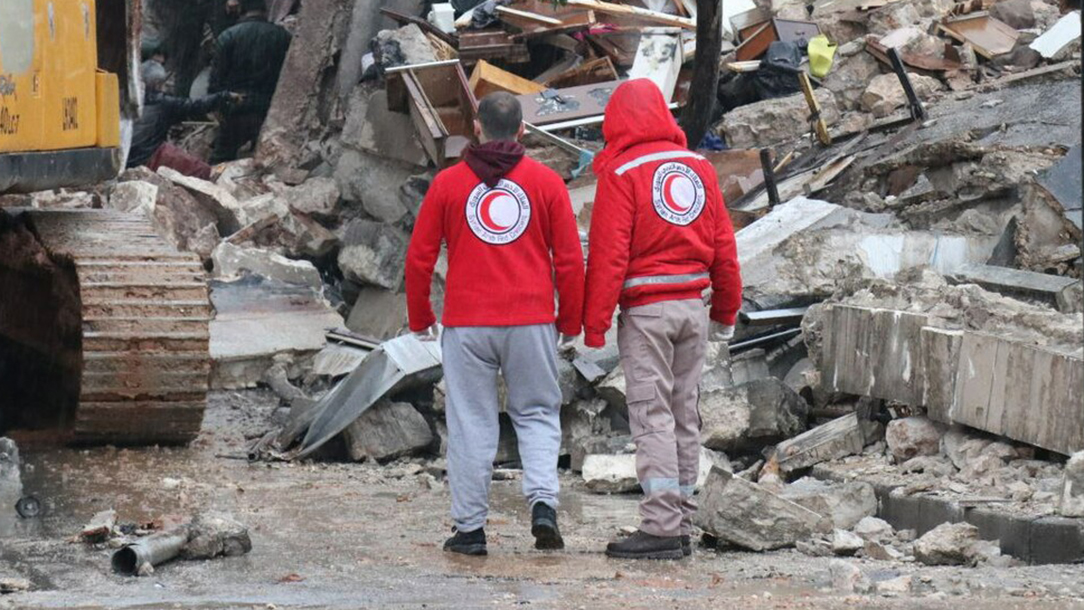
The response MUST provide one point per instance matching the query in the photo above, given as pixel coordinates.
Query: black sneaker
(686, 545)
(642, 545)
(467, 543)
(544, 528)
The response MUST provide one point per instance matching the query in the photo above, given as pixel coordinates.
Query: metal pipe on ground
(153, 550)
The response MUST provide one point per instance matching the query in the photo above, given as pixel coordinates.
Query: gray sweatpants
(527, 358)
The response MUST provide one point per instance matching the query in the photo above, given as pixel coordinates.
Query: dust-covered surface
(362, 535)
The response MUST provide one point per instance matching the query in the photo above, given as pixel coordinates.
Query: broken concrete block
(257, 319)
(13, 585)
(373, 253)
(372, 128)
(1071, 298)
(135, 196)
(213, 534)
(900, 585)
(885, 93)
(211, 196)
(912, 436)
(1016, 14)
(836, 439)
(316, 197)
(404, 46)
(1059, 37)
(850, 77)
(846, 543)
(232, 262)
(845, 504)
(1016, 282)
(378, 313)
(948, 544)
(581, 447)
(775, 121)
(875, 529)
(1072, 489)
(752, 415)
(385, 431)
(612, 388)
(847, 577)
(743, 513)
(611, 473)
(375, 183)
(177, 216)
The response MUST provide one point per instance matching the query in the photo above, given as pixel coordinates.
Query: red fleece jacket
(505, 246)
(659, 229)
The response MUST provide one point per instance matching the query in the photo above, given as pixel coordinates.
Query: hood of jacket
(493, 160)
(635, 114)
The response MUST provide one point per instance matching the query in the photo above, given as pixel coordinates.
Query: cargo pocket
(644, 409)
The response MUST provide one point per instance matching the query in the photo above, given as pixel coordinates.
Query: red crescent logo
(485, 214)
(668, 194)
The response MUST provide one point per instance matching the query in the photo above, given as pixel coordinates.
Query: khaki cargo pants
(662, 349)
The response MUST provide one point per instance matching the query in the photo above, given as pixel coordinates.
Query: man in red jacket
(508, 223)
(660, 235)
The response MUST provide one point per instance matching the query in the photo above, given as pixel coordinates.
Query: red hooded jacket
(505, 245)
(659, 228)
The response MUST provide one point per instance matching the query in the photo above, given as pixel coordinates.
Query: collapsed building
(910, 352)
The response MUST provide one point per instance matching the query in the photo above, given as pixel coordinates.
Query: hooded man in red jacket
(510, 231)
(660, 235)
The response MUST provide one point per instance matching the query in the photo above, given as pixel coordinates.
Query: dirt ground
(329, 535)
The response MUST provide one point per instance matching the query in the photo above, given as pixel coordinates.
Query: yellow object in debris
(820, 55)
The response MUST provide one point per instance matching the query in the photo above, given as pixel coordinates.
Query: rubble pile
(910, 251)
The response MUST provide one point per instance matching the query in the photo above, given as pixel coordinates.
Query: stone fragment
(844, 503)
(581, 447)
(752, 415)
(847, 577)
(232, 262)
(836, 439)
(372, 128)
(211, 196)
(885, 93)
(374, 182)
(378, 313)
(911, 437)
(610, 473)
(385, 431)
(612, 388)
(136, 196)
(373, 253)
(1072, 490)
(850, 77)
(100, 526)
(213, 534)
(948, 544)
(873, 528)
(900, 585)
(846, 543)
(316, 197)
(1017, 14)
(13, 585)
(742, 513)
(176, 215)
(881, 551)
(775, 121)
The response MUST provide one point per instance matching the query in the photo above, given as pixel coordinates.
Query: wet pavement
(329, 535)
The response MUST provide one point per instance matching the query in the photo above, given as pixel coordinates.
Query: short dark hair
(500, 115)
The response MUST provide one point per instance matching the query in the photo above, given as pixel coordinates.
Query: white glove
(430, 334)
(720, 332)
(566, 343)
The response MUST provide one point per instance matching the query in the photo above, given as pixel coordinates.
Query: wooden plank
(623, 9)
(597, 70)
(516, 17)
(988, 36)
(574, 103)
(487, 78)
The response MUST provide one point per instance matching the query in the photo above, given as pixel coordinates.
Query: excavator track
(145, 320)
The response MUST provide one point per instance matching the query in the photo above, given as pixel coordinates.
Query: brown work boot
(642, 545)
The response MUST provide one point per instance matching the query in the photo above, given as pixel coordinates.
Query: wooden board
(988, 36)
(487, 78)
(634, 11)
(579, 102)
(739, 171)
(441, 106)
(492, 44)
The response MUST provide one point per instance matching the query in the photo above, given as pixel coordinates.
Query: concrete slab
(1015, 282)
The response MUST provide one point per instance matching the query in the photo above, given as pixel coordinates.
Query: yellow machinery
(103, 325)
(59, 114)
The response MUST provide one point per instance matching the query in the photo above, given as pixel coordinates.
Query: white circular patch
(498, 215)
(678, 193)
